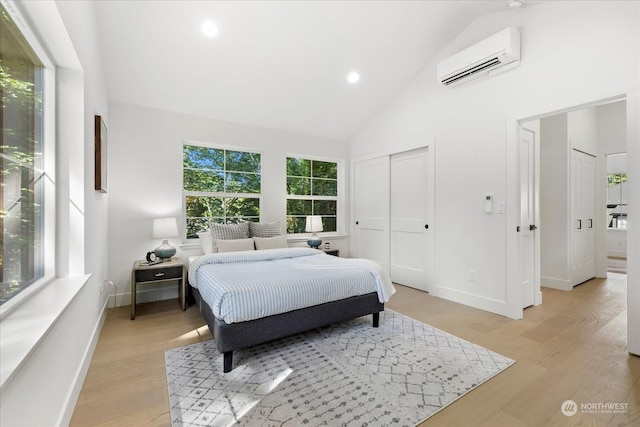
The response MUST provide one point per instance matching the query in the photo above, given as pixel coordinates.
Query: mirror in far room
(617, 191)
(617, 213)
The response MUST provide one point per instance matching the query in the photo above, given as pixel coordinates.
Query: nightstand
(334, 252)
(162, 272)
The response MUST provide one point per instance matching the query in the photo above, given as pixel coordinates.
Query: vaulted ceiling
(275, 64)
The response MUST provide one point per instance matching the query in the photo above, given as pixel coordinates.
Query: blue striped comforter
(242, 286)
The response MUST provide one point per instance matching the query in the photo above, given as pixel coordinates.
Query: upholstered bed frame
(235, 336)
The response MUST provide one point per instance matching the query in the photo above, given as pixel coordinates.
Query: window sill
(26, 326)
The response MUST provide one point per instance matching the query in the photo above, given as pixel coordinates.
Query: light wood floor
(572, 347)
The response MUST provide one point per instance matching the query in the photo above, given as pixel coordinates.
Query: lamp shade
(314, 224)
(165, 227)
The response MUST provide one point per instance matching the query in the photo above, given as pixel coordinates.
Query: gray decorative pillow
(264, 230)
(228, 232)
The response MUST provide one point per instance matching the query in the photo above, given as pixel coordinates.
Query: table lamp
(314, 224)
(163, 228)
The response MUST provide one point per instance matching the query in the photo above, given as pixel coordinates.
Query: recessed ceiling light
(353, 77)
(209, 29)
(515, 4)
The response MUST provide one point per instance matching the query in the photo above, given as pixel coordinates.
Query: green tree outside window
(220, 186)
(21, 195)
(312, 189)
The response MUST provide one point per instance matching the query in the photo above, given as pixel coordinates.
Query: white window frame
(340, 198)
(48, 236)
(216, 194)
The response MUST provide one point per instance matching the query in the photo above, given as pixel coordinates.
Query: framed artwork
(100, 155)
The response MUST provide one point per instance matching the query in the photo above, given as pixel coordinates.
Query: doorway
(571, 220)
(617, 210)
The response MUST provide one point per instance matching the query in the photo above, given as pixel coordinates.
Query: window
(312, 189)
(617, 200)
(219, 185)
(22, 209)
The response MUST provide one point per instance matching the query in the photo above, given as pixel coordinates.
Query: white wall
(617, 243)
(474, 129)
(582, 130)
(612, 130)
(145, 180)
(44, 389)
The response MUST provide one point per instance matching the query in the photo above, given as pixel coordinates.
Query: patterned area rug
(346, 374)
(617, 265)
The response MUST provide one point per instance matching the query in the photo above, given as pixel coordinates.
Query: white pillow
(206, 241)
(275, 242)
(235, 245)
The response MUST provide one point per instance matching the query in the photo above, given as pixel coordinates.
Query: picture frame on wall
(100, 155)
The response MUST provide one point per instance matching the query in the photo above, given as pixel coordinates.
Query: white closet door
(371, 210)
(583, 249)
(409, 218)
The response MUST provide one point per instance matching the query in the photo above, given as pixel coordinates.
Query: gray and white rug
(349, 374)
(617, 265)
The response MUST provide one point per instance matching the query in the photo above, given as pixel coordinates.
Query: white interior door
(583, 248)
(409, 218)
(528, 225)
(371, 210)
(589, 212)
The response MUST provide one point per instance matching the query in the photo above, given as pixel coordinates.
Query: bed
(251, 297)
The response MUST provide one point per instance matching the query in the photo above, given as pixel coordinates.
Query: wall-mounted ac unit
(493, 52)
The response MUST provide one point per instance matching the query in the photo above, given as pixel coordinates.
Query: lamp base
(314, 243)
(165, 251)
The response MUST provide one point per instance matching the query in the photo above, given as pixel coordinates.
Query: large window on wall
(219, 185)
(22, 170)
(312, 189)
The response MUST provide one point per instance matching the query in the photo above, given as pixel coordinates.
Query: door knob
(532, 227)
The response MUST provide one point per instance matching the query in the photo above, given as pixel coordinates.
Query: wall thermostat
(488, 204)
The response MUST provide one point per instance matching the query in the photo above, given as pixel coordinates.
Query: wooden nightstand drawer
(155, 274)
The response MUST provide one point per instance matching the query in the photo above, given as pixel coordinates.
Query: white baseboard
(487, 304)
(83, 369)
(553, 283)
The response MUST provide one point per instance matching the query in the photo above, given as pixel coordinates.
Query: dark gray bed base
(235, 336)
